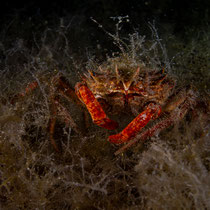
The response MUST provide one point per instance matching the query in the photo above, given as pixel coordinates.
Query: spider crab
(148, 94)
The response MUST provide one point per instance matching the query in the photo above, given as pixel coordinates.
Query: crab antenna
(91, 74)
(117, 73)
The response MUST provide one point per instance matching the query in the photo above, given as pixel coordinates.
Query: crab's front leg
(98, 115)
(172, 113)
(152, 111)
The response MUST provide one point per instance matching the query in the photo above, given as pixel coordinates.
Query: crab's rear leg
(29, 88)
(152, 111)
(98, 115)
(60, 85)
(57, 109)
(52, 122)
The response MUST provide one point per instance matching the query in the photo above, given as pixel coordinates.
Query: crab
(148, 94)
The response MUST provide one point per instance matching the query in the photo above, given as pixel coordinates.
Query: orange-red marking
(152, 111)
(30, 87)
(98, 115)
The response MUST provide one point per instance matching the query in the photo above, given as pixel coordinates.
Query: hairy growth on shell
(123, 75)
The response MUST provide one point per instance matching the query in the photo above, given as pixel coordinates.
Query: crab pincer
(98, 115)
(152, 111)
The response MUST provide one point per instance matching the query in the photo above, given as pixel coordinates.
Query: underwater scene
(105, 105)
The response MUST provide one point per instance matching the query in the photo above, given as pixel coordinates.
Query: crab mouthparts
(126, 86)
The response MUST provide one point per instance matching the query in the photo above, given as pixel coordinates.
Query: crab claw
(98, 115)
(152, 111)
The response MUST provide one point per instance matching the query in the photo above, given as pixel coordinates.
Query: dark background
(32, 175)
(185, 20)
(24, 23)
(182, 14)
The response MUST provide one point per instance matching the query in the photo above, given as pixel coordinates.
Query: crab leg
(98, 115)
(30, 87)
(62, 111)
(165, 122)
(151, 112)
(52, 122)
(65, 89)
(148, 133)
(57, 108)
